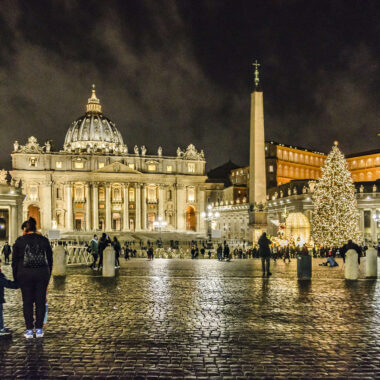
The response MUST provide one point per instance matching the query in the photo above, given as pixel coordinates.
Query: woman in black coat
(32, 263)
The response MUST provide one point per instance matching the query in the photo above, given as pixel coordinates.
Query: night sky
(172, 73)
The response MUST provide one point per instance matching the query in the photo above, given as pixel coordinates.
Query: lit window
(151, 167)
(78, 165)
(191, 194)
(270, 168)
(169, 168)
(101, 165)
(33, 162)
(58, 164)
(191, 167)
(117, 194)
(131, 166)
(33, 193)
(131, 194)
(152, 194)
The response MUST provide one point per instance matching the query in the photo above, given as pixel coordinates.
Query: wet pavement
(200, 319)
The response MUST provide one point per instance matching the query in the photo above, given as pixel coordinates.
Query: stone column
(351, 266)
(201, 208)
(361, 222)
(161, 201)
(108, 207)
(143, 208)
(257, 178)
(373, 226)
(138, 207)
(108, 262)
(95, 203)
(69, 207)
(13, 229)
(126, 209)
(46, 206)
(180, 207)
(88, 208)
(59, 261)
(371, 263)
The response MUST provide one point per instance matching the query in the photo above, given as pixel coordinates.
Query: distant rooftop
(367, 153)
(295, 147)
(222, 173)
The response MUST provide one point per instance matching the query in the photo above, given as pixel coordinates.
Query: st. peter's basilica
(96, 183)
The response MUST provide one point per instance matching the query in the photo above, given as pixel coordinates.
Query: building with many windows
(96, 184)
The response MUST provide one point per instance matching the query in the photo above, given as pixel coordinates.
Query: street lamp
(159, 224)
(210, 216)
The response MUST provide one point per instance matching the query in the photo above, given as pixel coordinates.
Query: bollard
(304, 265)
(371, 263)
(351, 271)
(59, 261)
(109, 262)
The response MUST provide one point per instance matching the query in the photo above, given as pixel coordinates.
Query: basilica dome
(94, 132)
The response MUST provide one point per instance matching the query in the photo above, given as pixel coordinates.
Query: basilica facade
(95, 183)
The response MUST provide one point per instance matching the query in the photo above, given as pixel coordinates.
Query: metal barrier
(78, 255)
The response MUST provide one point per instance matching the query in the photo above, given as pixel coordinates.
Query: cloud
(153, 87)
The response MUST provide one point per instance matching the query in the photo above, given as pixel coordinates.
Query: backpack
(35, 256)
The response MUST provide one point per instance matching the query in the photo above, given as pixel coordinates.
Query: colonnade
(133, 209)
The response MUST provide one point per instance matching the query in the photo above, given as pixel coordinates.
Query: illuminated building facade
(96, 184)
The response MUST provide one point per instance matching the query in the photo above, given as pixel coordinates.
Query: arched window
(152, 194)
(116, 194)
(131, 193)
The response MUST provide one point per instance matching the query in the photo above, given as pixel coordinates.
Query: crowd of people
(32, 263)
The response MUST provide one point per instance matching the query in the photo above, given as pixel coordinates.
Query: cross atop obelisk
(257, 80)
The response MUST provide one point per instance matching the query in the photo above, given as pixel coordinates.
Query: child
(4, 283)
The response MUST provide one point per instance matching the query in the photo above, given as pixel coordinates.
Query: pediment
(117, 167)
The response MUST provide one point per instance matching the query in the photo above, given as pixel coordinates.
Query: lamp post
(209, 216)
(159, 224)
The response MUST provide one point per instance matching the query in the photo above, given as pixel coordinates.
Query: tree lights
(335, 216)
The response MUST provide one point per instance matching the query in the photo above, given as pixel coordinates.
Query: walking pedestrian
(264, 251)
(32, 263)
(7, 252)
(226, 252)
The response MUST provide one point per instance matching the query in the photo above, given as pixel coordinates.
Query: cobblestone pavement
(200, 319)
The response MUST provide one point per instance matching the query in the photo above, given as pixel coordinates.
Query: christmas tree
(335, 216)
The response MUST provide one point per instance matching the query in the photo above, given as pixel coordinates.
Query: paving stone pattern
(200, 319)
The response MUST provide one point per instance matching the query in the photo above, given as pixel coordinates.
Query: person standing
(32, 262)
(117, 247)
(219, 252)
(226, 252)
(104, 241)
(264, 251)
(94, 250)
(350, 245)
(7, 252)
